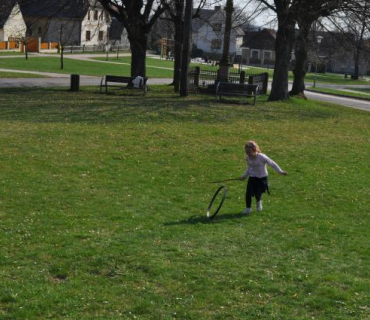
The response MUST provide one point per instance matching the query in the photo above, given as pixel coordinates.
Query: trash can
(75, 82)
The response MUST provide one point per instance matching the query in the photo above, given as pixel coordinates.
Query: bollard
(75, 82)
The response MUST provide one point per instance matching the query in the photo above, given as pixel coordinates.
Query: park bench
(117, 81)
(237, 89)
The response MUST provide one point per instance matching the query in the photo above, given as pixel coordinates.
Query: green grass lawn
(10, 53)
(361, 90)
(159, 63)
(19, 75)
(151, 62)
(72, 66)
(360, 93)
(332, 78)
(103, 201)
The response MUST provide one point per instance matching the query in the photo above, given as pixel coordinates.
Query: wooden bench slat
(120, 79)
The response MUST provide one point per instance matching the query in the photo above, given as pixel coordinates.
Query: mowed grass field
(103, 204)
(19, 75)
(83, 67)
(359, 93)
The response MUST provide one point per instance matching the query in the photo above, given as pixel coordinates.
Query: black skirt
(257, 186)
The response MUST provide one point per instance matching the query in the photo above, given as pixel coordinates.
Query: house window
(39, 30)
(96, 15)
(88, 15)
(255, 54)
(217, 27)
(267, 55)
(88, 35)
(216, 44)
(101, 35)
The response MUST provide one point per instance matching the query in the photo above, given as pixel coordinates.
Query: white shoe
(247, 211)
(259, 206)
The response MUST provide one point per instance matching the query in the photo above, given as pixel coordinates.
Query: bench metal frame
(237, 89)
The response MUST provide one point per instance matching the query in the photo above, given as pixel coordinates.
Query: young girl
(257, 172)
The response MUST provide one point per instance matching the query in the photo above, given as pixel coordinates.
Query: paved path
(347, 102)
(56, 79)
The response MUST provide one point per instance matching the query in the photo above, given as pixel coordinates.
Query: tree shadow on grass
(202, 219)
(56, 105)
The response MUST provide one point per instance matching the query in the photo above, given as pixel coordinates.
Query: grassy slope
(103, 201)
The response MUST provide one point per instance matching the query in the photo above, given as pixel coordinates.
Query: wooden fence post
(265, 83)
(197, 76)
(250, 81)
(242, 77)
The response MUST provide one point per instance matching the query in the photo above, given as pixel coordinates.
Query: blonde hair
(253, 145)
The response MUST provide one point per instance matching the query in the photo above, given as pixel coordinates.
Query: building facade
(208, 33)
(12, 24)
(76, 22)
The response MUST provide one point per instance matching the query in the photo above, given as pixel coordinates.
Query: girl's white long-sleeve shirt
(257, 167)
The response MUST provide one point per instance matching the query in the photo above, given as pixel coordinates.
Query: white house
(79, 22)
(208, 33)
(12, 24)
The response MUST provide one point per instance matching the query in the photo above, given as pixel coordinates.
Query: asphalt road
(348, 102)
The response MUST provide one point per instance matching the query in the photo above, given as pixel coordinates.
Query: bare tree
(307, 13)
(289, 13)
(138, 17)
(353, 23)
(175, 12)
(286, 12)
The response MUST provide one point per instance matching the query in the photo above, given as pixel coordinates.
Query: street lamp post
(318, 39)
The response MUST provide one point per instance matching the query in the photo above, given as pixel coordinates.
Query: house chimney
(217, 8)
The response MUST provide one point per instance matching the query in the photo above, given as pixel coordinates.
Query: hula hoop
(212, 215)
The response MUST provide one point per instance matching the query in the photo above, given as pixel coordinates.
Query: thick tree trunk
(178, 55)
(184, 81)
(283, 48)
(299, 70)
(138, 45)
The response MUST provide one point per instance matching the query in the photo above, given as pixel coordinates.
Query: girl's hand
(242, 178)
(284, 173)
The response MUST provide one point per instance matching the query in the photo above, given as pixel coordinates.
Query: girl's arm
(274, 165)
(246, 174)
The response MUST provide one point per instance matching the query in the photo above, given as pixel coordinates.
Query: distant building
(12, 24)
(80, 22)
(335, 53)
(259, 47)
(208, 33)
